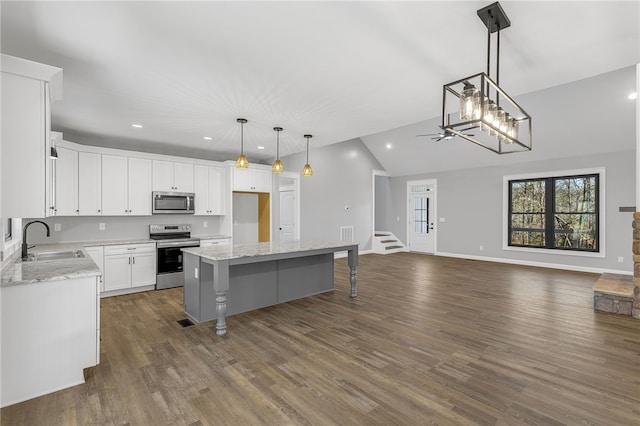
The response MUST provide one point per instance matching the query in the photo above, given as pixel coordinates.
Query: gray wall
(471, 202)
(382, 202)
(342, 176)
(129, 227)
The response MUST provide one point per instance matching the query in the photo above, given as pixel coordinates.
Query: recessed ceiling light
(389, 146)
(137, 126)
(207, 138)
(633, 95)
(260, 147)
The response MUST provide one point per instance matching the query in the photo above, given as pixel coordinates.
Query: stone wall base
(615, 294)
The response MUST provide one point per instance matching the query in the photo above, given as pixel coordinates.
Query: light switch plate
(102, 226)
(57, 227)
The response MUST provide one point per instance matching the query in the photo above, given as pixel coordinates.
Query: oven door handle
(179, 244)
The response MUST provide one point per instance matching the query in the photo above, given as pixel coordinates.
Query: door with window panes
(421, 220)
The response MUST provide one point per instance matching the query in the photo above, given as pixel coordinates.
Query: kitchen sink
(57, 255)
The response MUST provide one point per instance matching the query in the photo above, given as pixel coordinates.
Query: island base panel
(304, 276)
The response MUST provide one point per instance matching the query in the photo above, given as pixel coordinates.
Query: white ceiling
(337, 70)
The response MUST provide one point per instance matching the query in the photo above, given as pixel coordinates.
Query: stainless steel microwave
(173, 202)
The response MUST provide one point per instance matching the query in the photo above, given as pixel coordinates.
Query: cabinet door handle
(129, 260)
(134, 260)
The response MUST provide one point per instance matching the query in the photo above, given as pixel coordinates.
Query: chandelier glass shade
(307, 170)
(477, 102)
(242, 162)
(277, 167)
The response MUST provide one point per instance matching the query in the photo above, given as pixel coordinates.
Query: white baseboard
(537, 264)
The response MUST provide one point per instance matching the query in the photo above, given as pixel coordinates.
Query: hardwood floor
(429, 340)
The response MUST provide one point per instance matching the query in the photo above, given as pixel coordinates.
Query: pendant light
(478, 102)
(242, 162)
(277, 165)
(307, 170)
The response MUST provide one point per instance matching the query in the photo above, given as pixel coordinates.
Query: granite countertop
(237, 251)
(19, 272)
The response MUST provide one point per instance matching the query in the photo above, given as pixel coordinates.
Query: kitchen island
(226, 280)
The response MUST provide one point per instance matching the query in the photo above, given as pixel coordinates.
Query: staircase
(385, 243)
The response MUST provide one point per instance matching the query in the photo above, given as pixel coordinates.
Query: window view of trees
(554, 212)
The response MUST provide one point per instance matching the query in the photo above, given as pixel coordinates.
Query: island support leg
(221, 288)
(353, 262)
(221, 312)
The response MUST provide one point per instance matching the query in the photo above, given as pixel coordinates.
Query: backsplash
(87, 228)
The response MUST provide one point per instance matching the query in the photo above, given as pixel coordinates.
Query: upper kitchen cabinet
(28, 90)
(210, 190)
(170, 176)
(252, 180)
(126, 186)
(89, 184)
(65, 183)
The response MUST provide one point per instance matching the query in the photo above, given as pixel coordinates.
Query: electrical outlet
(205, 224)
(620, 259)
(57, 227)
(442, 219)
(481, 248)
(397, 218)
(102, 226)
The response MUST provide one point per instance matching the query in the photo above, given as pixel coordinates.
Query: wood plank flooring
(429, 340)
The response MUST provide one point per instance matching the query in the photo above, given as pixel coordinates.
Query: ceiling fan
(446, 134)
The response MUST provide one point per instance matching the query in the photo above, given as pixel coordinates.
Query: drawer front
(215, 242)
(129, 248)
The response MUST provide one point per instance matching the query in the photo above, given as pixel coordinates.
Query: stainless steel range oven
(169, 240)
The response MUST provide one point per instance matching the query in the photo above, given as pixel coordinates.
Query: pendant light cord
(241, 138)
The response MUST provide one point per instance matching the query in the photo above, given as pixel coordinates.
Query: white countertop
(237, 251)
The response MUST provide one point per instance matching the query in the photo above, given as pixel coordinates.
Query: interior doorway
(421, 216)
(251, 217)
(289, 206)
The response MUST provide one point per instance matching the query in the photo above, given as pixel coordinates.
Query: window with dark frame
(559, 213)
(7, 229)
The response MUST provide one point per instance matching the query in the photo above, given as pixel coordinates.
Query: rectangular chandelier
(478, 110)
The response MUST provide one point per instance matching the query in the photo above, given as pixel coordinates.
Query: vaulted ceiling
(337, 70)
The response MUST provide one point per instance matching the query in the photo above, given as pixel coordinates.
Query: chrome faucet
(25, 247)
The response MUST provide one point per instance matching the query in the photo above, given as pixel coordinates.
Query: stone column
(636, 265)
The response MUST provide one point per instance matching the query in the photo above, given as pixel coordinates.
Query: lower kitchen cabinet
(97, 255)
(50, 333)
(129, 266)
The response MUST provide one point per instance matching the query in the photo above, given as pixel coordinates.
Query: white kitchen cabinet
(172, 176)
(126, 186)
(252, 180)
(205, 242)
(97, 255)
(209, 185)
(129, 266)
(66, 182)
(49, 336)
(89, 184)
(28, 89)
(139, 188)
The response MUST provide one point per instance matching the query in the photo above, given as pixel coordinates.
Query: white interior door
(421, 219)
(287, 215)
